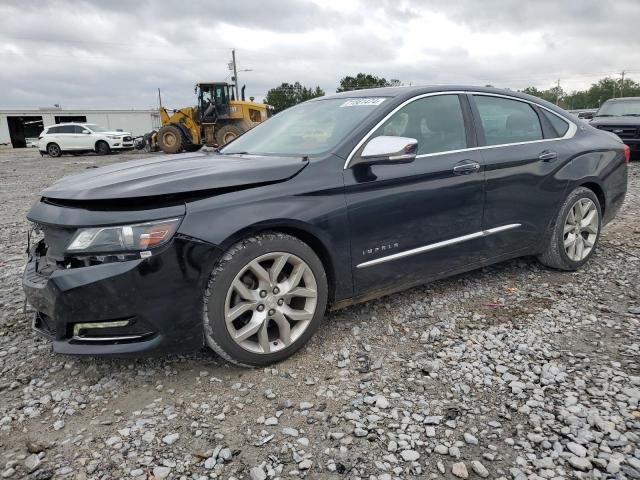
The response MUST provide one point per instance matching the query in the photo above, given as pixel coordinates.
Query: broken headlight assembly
(123, 238)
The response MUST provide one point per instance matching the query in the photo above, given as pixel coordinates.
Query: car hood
(124, 134)
(623, 121)
(187, 173)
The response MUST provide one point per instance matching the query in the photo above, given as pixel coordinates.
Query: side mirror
(86, 132)
(386, 150)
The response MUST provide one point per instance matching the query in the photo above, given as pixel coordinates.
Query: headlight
(141, 236)
(113, 137)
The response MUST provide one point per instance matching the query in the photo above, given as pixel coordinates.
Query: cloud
(117, 53)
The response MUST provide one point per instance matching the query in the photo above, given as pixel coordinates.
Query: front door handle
(465, 167)
(548, 156)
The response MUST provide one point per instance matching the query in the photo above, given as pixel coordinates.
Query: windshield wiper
(605, 115)
(235, 153)
(631, 115)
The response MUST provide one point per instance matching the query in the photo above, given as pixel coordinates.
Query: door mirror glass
(388, 150)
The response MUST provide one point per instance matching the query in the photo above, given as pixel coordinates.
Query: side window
(507, 121)
(53, 130)
(436, 122)
(78, 128)
(559, 125)
(65, 129)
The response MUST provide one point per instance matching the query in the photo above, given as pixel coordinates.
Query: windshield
(306, 129)
(620, 109)
(95, 128)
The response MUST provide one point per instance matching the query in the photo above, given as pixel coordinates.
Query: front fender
(318, 217)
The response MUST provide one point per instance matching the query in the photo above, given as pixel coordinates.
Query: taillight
(627, 154)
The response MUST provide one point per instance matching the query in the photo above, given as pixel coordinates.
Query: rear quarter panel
(600, 165)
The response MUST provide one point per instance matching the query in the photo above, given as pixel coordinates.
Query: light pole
(234, 67)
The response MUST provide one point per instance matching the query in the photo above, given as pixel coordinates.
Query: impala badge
(381, 248)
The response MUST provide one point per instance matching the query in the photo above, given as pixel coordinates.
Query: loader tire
(228, 133)
(171, 139)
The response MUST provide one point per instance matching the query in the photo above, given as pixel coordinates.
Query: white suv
(81, 137)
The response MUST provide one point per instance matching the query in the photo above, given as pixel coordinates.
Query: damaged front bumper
(123, 307)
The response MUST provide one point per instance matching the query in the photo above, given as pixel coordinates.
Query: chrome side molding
(437, 245)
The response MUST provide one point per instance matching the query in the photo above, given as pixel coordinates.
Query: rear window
(559, 125)
(53, 130)
(507, 121)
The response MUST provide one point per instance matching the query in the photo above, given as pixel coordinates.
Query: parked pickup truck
(622, 117)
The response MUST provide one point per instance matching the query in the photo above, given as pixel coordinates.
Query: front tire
(171, 139)
(575, 232)
(102, 148)
(265, 299)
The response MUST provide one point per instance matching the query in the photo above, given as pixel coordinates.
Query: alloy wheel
(271, 302)
(581, 229)
(54, 150)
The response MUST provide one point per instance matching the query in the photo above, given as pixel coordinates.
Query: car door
(82, 141)
(521, 152)
(409, 222)
(66, 137)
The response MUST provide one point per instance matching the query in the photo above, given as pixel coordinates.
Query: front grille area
(44, 325)
(623, 131)
(56, 240)
(127, 139)
(35, 276)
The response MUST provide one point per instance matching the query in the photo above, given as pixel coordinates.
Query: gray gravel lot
(513, 371)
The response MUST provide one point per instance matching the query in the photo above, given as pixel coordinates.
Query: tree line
(592, 97)
(288, 94)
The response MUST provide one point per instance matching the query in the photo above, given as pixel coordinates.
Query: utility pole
(558, 92)
(622, 85)
(159, 99)
(235, 72)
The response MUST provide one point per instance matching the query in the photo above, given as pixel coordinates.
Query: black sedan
(335, 201)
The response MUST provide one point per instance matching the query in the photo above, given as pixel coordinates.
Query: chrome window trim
(437, 245)
(573, 128)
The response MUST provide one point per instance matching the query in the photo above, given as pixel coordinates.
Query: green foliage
(365, 80)
(592, 97)
(288, 95)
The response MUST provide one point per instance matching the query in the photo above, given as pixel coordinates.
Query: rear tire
(53, 150)
(228, 133)
(102, 148)
(281, 305)
(575, 232)
(170, 139)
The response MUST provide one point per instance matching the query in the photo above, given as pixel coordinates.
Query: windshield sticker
(363, 102)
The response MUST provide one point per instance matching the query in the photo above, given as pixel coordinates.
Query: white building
(16, 126)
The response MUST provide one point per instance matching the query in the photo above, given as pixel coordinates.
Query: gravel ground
(513, 371)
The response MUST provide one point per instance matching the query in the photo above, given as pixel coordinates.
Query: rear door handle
(465, 167)
(548, 156)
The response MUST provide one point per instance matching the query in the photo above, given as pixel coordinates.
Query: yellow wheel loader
(215, 121)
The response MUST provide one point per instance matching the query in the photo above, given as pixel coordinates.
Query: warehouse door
(25, 130)
(71, 118)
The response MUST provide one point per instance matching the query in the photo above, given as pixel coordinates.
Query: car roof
(61, 124)
(624, 99)
(408, 92)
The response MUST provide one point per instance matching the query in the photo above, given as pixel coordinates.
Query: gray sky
(116, 53)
